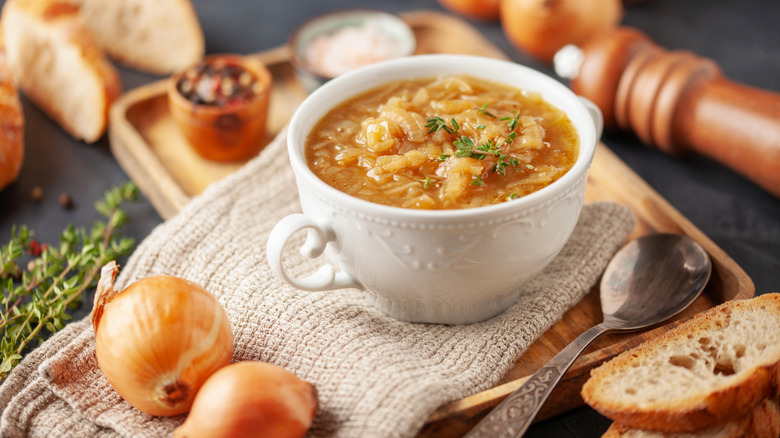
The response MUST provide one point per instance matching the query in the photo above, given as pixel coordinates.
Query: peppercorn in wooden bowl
(221, 106)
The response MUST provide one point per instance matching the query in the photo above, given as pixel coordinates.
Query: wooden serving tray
(152, 151)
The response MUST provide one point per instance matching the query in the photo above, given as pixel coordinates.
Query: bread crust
(123, 32)
(60, 21)
(11, 124)
(763, 421)
(745, 391)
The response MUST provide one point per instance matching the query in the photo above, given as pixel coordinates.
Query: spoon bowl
(648, 281)
(652, 279)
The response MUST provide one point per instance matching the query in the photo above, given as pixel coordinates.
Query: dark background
(743, 37)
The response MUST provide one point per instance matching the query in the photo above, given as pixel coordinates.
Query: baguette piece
(711, 369)
(11, 124)
(58, 66)
(762, 422)
(156, 36)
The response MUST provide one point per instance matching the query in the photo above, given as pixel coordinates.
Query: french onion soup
(442, 143)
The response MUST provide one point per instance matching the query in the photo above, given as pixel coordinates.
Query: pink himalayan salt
(351, 47)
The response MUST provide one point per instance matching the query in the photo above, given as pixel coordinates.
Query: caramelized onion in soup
(442, 143)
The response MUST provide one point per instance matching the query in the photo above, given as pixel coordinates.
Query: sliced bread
(58, 65)
(11, 123)
(157, 36)
(713, 368)
(761, 422)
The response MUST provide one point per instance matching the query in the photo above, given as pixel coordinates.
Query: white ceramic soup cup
(443, 266)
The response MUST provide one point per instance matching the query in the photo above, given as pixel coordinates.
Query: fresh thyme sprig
(484, 111)
(427, 182)
(36, 299)
(436, 123)
(514, 121)
(467, 148)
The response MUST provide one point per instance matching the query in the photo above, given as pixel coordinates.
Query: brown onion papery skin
(159, 340)
(251, 399)
(484, 10)
(541, 27)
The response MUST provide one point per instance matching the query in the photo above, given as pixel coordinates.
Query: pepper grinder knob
(678, 101)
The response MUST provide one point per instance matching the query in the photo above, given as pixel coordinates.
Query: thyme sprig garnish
(436, 123)
(37, 299)
(514, 121)
(427, 182)
(484, 111)
(466, 147)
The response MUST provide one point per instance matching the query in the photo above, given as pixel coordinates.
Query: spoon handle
(512, 416)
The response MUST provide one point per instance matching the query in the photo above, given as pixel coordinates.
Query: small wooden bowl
(229, 132)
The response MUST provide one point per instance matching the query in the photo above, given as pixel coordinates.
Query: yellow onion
(484, 10)
(251, 399)
(541, 27)
(158, 340)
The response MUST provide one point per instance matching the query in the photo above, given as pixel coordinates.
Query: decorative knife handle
(512, 416)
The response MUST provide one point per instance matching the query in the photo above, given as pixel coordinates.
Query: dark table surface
(743, 37)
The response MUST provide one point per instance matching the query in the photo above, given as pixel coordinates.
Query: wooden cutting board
(152, 151)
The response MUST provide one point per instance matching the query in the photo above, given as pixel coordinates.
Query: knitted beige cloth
(376, 376)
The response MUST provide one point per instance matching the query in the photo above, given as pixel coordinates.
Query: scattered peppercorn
(36, 194)
(66, 201)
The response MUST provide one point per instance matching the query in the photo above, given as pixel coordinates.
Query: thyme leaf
(38, 299)
(427, 183)
(513, 121)
(484, 111)
(466, 147)
(436, 123)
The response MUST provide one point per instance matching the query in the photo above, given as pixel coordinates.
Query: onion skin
(483, 10)
(541, 27)
(251, 399)
(158, 340)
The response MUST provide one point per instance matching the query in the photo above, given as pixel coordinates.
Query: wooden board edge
(135, 157)
(740, 283)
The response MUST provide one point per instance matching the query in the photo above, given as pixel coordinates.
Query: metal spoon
(648, 281)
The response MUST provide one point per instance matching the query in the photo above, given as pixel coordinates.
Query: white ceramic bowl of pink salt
(338, 42)
(442, 266)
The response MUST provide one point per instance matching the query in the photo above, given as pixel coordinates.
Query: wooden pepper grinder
(678, 101)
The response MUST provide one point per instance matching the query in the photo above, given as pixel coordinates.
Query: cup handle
(317, 238)
(595, 114)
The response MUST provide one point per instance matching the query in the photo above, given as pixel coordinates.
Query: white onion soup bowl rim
(353, 83)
